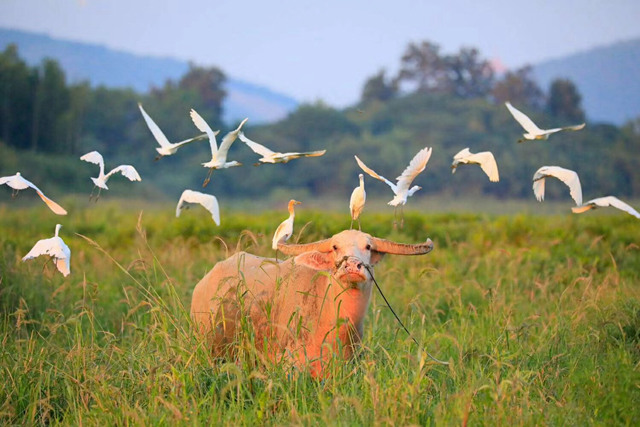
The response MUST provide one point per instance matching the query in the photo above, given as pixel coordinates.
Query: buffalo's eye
(335, 247)
(368, 247)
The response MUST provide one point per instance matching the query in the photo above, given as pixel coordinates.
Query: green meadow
(538, 315)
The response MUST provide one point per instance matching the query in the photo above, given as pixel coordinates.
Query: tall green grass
(538, 315)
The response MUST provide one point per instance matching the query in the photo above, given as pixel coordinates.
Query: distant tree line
(466, 75)
(40, 111)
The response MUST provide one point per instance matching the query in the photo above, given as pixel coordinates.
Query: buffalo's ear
(316, 260)
(376, 256)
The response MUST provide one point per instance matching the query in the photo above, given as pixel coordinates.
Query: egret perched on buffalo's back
(208, 201)
(56, 249)
(356, 203)
(166, 148)
(100, 181)
(285, 229)
(533, 131)
(17, 182)
(269, 156)
(218, 155)
(602, 202)
(402, 189)
(485, 159)
(569, 177)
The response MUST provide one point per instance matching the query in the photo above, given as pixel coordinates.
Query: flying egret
(218, 155)
(402, 188)
(17, 182)
(485, 159)
(356, 203)
(208, 201)
(285, 229)
(533, 131)
(569, 177)
(101, 180)
(269, 156)
(604, 202)
(166, 148)
(56, 249)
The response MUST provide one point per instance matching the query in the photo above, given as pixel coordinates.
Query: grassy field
(539, 317)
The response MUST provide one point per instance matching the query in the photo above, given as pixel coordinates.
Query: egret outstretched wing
(203, 126)
(228, 139)
(255, 147)
(524, 120)
(417, 165)
(374, 174)
(127, 171)
(604, 202)
(294, 155)
(95, 158)
(569, 177)
(155, 130)
(207, 201)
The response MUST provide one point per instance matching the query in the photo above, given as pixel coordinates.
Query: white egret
(485, 159)
(533, 131)
(166, 148)
(56, 249)
(100, 181)
(218, 155)
(269, 156)
(17, 182)
(569, 177)
(208, 201)
(285, 229)
(402, 189)
(602, 202)
(356, 203)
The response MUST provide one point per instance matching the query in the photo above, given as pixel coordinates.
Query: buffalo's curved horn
(389, 247)
(297, 249)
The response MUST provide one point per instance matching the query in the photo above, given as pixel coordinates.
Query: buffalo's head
(349, 254)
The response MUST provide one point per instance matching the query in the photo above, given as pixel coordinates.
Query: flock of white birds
(60, 253)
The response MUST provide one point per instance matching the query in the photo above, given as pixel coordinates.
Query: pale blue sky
(327, 49)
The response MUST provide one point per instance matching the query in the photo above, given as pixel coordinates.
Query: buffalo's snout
(352, 269)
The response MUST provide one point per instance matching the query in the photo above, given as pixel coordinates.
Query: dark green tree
(379, 88)
(16, 98)
(208, 83)
(519, 88)
(51, 102)
(564, 100)
(468, 75)
(422, 66)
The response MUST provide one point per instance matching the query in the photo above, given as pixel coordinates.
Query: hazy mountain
(607, 78)
(103, 66)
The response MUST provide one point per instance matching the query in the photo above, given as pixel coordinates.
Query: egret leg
(351, 226)
(395, 217)
(206, 181)
(359, 228)
(14, 193)
(45, 263)
(158, 157)
(402, 216)
(91, 195)
(98, 196)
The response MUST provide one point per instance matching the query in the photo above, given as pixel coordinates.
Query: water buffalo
(305, 309)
